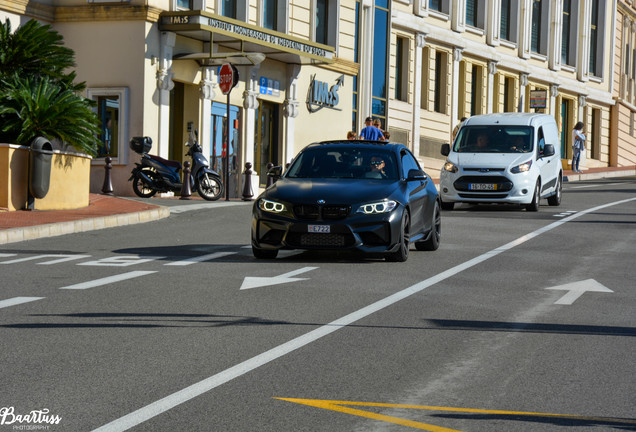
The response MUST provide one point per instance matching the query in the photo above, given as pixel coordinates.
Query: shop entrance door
(565, 128)
(218, 147)
(267, 145)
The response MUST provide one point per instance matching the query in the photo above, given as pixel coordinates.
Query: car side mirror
(416, 174)
(275, 172)
(548, 150)
(445, 149)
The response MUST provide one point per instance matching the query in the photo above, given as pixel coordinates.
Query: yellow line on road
(340, 406)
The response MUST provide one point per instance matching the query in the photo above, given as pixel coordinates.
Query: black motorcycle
(155, 174)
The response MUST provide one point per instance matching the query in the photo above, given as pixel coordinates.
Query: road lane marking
(193, 260)
(341, 406)
(565, 213)
(3, 255)
(162, 405)
(17, 300)
(108, 280)
(594, 185)
(256, 282)
(577, 289)
(205, 206)
(122, 261)
(61, 258)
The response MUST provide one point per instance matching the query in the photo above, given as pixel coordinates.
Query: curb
(15, 235)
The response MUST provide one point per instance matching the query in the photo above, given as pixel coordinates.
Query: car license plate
(318, 228)
(482, 186)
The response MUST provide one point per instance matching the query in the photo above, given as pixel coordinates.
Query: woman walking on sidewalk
(578, 145)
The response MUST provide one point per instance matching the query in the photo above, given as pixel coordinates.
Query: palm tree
(38, 97)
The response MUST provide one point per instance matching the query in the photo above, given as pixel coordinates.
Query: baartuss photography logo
(32, 421)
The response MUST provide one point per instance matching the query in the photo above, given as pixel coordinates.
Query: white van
(510, 158)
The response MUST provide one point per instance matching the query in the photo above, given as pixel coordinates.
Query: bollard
(186, 190)
(107, 187)
(270, 179)
(247, 183)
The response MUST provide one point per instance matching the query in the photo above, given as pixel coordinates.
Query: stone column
(164, 85)
(492, 71)
(290, 111)
(457, 57)
(554, 93)
(206, 90)
(250, 104)
(523, 83)
(420, 43)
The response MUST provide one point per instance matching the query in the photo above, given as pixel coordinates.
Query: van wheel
(534, 205)
(555, 199)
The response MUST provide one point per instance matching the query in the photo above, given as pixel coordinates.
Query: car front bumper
(511, 188)
(366, 233)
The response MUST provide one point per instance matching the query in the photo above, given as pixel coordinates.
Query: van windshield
(494, 139)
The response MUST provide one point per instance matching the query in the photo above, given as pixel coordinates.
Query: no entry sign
(228, 78)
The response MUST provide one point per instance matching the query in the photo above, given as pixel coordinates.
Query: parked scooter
(155, 174)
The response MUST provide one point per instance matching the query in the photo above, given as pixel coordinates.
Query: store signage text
(320, 95)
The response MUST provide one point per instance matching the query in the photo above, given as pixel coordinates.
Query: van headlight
(377, 207)
(450, 167)
(524, 167)
(271, 206)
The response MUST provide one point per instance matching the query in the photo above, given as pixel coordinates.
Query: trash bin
(41, 155)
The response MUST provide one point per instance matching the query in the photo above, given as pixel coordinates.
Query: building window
(270, 14)
(504, 25)
(565, 32)
(325, 22)
(535, 43)
(111, 109)
(476, 89)
(402, 69)
(596, 37)
(439, 6)
(380, 59)
(441, 66)
(593, 37)
(472, 11)
(229, 8)
(236, 9)
(183, 5)
(426, 78)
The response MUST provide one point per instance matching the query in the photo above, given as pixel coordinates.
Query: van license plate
(318, 228)
(482, 186)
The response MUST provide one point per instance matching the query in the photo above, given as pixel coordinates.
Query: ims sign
(320, 95)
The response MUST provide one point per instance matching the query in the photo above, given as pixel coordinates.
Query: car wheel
(534, 205)
(264, 253)
(555, 199)
(402, 254)
(432, 243)
(448, 205)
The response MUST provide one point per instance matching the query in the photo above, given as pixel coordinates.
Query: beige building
(623, 138)
(457, 58)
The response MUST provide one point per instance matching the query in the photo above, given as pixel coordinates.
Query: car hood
(489, 160)
(332, 191)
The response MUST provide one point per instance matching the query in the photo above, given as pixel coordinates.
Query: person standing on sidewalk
(371, 132)
(578, 145)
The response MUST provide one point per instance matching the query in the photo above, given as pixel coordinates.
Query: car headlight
(450, 167)
(524, 167)
(271, 206)
(377, 207)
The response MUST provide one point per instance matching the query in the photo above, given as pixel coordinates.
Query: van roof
(517, 119)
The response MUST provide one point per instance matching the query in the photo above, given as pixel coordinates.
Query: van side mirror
(548, 150)
(445, 149)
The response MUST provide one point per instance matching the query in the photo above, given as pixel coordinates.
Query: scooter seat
(166, 162)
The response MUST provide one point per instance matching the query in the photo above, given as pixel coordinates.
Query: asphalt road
(519, 322)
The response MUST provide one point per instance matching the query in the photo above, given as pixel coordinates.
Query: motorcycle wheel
(142, 189)
(209, 187)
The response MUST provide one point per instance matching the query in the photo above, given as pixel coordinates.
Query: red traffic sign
(228, 77)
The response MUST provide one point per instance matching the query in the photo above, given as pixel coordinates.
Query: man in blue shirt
(371, 132)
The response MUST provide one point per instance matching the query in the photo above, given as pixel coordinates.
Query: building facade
(624, 111)
(313, 70)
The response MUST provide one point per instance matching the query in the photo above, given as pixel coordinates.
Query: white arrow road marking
(577, 289)
(255, 282)
(108, 280)
(61, 258)
(17, 300)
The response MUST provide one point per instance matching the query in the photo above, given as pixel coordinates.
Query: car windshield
(344, 162)
(494, 139)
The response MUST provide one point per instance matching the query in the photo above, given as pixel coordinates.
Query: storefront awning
(242, 40)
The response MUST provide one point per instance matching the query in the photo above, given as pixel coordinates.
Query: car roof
(358, 143)
(509, 119)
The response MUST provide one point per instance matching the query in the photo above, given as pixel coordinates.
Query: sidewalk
(106, 211)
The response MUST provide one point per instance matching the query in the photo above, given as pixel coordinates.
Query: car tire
(448, 205)
(534, 205)
(432, 243)
(402, 254)
(555, 199)
(264, 253)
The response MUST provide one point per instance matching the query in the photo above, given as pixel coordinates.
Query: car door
(416, 194)
(546, 163)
